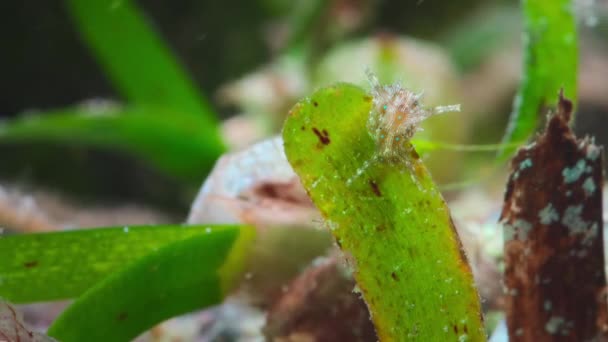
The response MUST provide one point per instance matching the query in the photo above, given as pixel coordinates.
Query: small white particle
(519, 332)
(593, 152)
(508, 232)
(463, 338)
(554, 324)
(589, 186)
(526, 163)
(548, 305)
(548, 214)
(572, 174)
(572, 219)
(125, 229)
(208, 230)
(590, 235)
(445, 328)
(516, 174)
(522, 227)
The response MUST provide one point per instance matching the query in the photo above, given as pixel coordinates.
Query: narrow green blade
(550, 63)
(59, 265)
(135, 58)
(181, 277)
(389, 217)
(182, 147)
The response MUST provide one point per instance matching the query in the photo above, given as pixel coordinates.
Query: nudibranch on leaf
(395, 117)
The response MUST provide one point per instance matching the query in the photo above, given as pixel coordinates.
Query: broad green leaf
(136, 59)
(60, 265)
(388, 216)
(183, 276)
(181, 146)
(550, 64)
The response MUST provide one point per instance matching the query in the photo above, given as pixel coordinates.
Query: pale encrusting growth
(396, 115)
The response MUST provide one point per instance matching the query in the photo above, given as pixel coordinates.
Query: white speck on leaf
(526, 163)
(572, 174)
(572, 219)
(589, 186)
(554, 324)
(548, 214)
(523, 228)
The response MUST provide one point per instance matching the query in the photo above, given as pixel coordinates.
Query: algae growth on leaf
(388, 217)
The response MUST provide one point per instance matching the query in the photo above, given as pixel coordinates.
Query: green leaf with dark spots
(180, 277)
(388, 216)
(60, 265)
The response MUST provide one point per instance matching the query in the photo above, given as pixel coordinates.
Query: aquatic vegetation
(387, 216)
(550, 64)
(357, 161)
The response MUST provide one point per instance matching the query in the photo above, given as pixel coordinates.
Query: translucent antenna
(445, 109)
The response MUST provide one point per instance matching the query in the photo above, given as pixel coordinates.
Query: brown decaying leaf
(552, 219)
(319, 305)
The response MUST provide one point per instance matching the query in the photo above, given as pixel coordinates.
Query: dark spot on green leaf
(455, 327)
(394, 276)
(380, 228)
(375, 188)
(31, 264)
(315, 103)
(121, 316)
(323, 136)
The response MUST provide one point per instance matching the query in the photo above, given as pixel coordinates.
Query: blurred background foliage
(235, 68)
